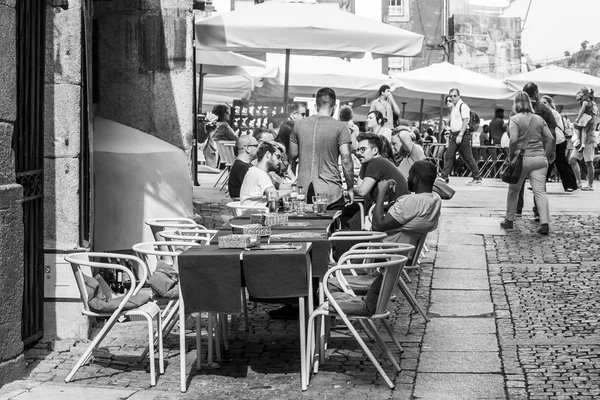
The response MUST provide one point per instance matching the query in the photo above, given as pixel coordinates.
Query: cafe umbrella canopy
(562, 83)
(431, 84)
(304, 28)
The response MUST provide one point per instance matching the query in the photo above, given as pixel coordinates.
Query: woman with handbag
(530, 152)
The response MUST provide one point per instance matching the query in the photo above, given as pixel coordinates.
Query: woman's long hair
(522, 103)
(550, 101)
(283, 136)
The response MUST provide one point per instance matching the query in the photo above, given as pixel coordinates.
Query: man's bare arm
(347, 165)
(381, 222)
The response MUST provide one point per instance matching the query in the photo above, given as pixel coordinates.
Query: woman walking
(567, 176)
(530, 136)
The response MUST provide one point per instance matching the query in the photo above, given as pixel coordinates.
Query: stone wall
(11, 214)
(62, 151)
(145, 67)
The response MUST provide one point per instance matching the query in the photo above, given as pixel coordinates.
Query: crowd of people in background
(320, 153)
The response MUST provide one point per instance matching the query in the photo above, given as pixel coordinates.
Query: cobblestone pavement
(546, 292)
(263, 363)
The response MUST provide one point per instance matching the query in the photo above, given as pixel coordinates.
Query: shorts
(587, 153)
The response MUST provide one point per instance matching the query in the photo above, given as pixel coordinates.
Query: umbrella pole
(195, 127)
(286, 84)
(421, 114)
(403, 108)
(439, 138)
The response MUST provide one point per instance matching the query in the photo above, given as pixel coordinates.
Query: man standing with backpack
(462, 123)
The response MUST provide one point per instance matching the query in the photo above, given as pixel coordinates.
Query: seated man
(406, 151)
(413, 213)
(246, 147)
(257, 184)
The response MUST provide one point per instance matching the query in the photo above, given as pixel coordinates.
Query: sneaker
(475, 182)
(536, 218)
(444, 178)
(519, 214)
(544, 229)
(506, 224)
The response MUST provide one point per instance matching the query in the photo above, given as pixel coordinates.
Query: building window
(396, 65)
(398, 10)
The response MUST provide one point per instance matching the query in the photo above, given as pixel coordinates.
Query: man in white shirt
(257, 184)
(413, 213)
(460, 139)
(386, 105)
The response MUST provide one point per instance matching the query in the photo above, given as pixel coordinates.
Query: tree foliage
(586, 59)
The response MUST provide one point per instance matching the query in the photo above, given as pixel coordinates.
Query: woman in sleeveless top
(530, 136)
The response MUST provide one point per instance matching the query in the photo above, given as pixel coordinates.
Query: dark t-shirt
(236, 177)
(496, 130)
(381, 168)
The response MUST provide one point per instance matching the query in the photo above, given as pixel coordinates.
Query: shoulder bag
(511, 171)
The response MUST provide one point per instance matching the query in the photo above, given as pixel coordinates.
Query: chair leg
(384, 346)
(367, 351)
(390, 332)
(405, 275)
(182, 372)
(151, 358)
(161, 353)
(198, 343)
(218, 333)
(224, 331)
(88, 352)
(411, 298)
(210, 339)
(245, 305)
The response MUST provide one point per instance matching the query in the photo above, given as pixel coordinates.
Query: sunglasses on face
(252, 145)
(453, 95)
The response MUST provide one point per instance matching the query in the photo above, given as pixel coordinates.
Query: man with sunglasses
(246, 147)
(257, 184)
(460, 139)
(297, 111)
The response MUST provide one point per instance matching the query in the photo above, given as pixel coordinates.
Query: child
(585, 97)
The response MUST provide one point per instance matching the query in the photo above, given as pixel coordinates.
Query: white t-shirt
(415, 213)
(253, 187)
(559, 131)
(459, 112)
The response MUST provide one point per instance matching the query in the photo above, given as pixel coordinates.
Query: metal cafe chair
(349, 307)
(81, 263)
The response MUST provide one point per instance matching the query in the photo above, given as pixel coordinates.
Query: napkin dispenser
(269, 219)
(251, 229)
(238, 241)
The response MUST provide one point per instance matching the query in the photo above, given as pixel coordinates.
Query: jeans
(535, 168)
(464, 149)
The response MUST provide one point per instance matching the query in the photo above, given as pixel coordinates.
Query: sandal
(587, 189)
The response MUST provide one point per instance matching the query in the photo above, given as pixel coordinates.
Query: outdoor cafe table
(211, 280)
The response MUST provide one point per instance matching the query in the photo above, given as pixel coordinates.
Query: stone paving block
(460, 279)
(459, 386)
(459, 342)
(460, 362)
(461, 325)
(474, 309)
(458, 256)
(460, 296)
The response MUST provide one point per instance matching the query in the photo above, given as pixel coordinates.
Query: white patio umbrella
(561, 82)
(306, 29)
(310, 73)
(431, 85)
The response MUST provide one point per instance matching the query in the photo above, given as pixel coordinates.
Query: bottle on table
(294, 196)
(301, 201)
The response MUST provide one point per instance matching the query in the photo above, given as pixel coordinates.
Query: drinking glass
(273, 201)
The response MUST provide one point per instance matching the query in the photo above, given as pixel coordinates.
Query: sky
(554, 26)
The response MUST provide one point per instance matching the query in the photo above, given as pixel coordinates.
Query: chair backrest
(152, 252)
(158, 224)
(390, 267)
(228, 154)
(202, 236)
(344, 240)
(438, 150)
(238, 210)
(81, 264)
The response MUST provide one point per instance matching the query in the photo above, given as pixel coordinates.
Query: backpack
(473, 120)
(568, 131)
